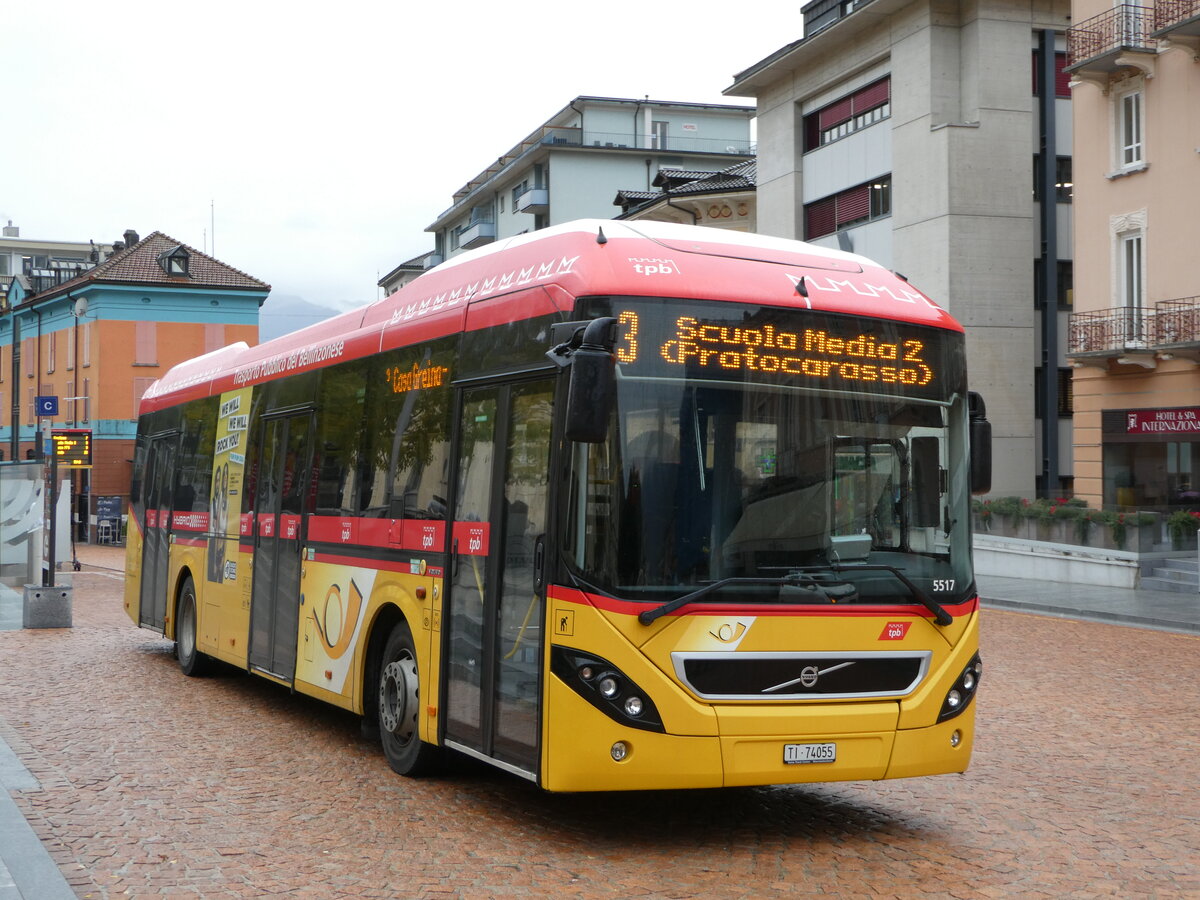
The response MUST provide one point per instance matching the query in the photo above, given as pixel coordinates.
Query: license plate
(800, 754)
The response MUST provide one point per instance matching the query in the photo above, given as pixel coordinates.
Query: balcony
(476, 235)
(1136, 336)
(1178, 21)
(534, 200)
(1103, 45)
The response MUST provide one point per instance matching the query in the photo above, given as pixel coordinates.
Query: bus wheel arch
(186, 627)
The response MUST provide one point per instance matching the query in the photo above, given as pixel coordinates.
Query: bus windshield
(800, 494)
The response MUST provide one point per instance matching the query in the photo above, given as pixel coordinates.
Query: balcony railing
(1170, 15)
(1176, 323)
(1171, 325)
(1102, 38)
(1107, 331)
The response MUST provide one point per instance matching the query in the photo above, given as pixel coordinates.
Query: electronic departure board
(72, 448)
(798, 347)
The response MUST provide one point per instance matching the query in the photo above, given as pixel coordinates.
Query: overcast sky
(321, 138)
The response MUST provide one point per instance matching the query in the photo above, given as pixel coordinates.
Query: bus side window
(421, 450)
(339, 438)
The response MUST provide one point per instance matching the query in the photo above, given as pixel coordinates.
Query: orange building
(78, 349)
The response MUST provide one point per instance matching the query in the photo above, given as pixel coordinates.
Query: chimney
(131, 237)
(11, 230)
(118, 246)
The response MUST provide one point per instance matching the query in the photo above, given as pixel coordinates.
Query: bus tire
(191, 660)
(399, 697)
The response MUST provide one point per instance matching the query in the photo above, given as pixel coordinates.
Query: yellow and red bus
(610, 506)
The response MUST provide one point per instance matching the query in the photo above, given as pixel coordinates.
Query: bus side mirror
(592, 384)
(926, 481)
(981, 445)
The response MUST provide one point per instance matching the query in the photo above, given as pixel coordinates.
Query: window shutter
(872, 95)
(819, 219)
(214, 337)
(853, 204)
(836, 113)
(146, 349)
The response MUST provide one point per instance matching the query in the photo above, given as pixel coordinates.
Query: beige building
(1134, 338)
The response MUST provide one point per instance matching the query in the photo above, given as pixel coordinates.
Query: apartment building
(572, 165)
(913, 132)
(1135, 334)
(95, 339)
(43, 260)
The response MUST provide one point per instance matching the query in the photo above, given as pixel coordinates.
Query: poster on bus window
(229, 467)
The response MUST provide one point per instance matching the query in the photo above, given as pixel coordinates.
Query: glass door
(281, 498)
(158, 493)
(496, 609)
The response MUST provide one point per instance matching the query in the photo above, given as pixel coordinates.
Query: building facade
(43, 260)
(572, 165)
(912, 132)
(1135, 334)
(96, 340)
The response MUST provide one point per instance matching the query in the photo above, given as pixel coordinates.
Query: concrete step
(1174, 575)
(1181, 565)
(1152, 583)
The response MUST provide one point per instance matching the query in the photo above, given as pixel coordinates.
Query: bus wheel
(399, 707)
(191, 660)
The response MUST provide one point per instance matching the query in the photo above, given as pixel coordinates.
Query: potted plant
(1181, 526)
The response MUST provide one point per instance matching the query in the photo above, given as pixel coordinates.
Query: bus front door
(158, 493)
(282, 463)
(494, 634)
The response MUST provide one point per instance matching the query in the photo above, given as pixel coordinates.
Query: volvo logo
(808, 677)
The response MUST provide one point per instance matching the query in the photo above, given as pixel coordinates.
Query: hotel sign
(1185, 420)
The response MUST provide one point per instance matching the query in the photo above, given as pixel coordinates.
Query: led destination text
(813, 353)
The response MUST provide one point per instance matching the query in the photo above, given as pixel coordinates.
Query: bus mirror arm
(592, 385)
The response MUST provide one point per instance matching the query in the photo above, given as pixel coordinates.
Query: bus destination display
(769, 345)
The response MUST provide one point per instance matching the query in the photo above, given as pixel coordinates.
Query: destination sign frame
(72, 447)
(661, 337)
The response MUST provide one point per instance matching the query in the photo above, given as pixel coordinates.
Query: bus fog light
(608, 687)
(968, 681)
(956, 738)
(619, 751)
(633, 706)
(953, 699)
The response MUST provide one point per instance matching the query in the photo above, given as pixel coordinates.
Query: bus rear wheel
(399, 694)
(191, 660)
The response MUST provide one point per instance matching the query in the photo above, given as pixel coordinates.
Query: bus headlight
(962, 691)
(605, 687)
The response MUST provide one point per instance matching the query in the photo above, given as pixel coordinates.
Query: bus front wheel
(399, 707)
(191, 660)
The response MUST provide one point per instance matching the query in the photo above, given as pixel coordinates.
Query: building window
(71, 401)
(51, 350)
(214, 337)
(28, 358)
(1066, 395)
(145, 351)
(175, 261)
(852, 113)
(1131, 151)
(87, 400)
(860, 204)
(140, 386)
(1066, 284)
(1062, 80)
(1131, 264)
(1064, 184)
(87, 344)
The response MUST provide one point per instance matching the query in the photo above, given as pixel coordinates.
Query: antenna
(212, 213)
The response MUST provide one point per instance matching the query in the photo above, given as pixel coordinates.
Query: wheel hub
(398, 698)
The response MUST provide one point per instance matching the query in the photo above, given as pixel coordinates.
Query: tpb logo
(654, 266)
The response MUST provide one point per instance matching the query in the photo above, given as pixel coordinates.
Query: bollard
(46, 607)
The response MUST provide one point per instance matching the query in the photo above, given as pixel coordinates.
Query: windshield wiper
(939, 612)
(795, 578)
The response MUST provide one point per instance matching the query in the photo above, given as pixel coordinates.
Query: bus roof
(588, 257)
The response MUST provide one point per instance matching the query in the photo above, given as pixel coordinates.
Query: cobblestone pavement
(1085, 782)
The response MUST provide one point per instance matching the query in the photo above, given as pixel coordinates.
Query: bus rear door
(158, 491)
(493, 690)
